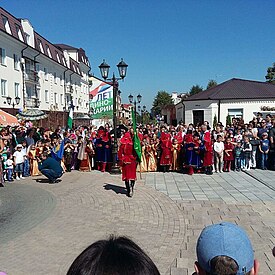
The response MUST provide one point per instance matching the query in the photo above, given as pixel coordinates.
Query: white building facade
(237, 98)
(42, 75)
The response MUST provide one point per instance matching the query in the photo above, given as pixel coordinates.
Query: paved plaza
(44, 227)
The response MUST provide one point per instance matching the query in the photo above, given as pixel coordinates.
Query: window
(16, 62)
(55, 78)
(6, 24)
(61, 80)
(47, 96)
(46, 73)
(57, 56)
(16, 89)
(19, 33)
(61, 99)
(3, 87)
(48, 51)
(37, 67)
(55, 98)
(40, 46)
(235, 112)
(27, 36)
(3, 56)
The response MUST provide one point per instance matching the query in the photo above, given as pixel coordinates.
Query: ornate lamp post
(15, 102)
(143, 112)
(131, 100)
(104, 70)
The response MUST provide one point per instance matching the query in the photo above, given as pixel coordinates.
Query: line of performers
(192, 151)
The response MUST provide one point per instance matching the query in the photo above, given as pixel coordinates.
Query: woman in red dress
(166, 155)
(228, 154)
(127, 158)
(208, 150)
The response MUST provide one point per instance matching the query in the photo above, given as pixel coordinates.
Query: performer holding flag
(70, 118)
(129, 152)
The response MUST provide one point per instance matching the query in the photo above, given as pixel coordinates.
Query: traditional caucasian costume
(208, 152)
(228, 156)
(103, 149)
(166, 155)
(33, 161)
(127, 159)
(151, 158)
(175, 155)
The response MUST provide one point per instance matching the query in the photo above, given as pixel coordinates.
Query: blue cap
(225, 239)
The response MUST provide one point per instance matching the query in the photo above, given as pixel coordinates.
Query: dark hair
(115, 256)
(224, 265)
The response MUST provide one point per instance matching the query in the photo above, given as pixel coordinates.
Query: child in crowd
(9, 167)
(19, 157)
(218, 154)
(264, 149)
(228, 154)
(26, 164)
(238, 156)
(247, 149)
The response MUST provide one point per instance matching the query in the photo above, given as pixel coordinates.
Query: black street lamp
(131, 100)
(15, 102)
(143, 112)
(104, 70)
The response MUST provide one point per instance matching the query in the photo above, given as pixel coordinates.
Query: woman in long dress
(32, 155)
(175, 155)
(151, 157)
(83, 157)
(166, 155)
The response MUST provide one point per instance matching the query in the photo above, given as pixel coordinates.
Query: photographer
(50, 168)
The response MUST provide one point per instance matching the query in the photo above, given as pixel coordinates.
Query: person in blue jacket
(50, 168)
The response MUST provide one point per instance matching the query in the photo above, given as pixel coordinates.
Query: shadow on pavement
(117, 189)
(45, 180)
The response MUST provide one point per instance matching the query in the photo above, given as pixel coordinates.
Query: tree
(215, 121)
(195, 89)
(270, 76)
(162, 99)
(228, 120)
(211, 83)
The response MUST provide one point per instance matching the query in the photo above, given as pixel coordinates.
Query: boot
(98, 166)
(132, 188)
(127, 188)
(190, 170)
(103, 167)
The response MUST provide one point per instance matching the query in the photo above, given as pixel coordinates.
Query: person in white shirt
(9, 167)
(218, 154)
(19, 161)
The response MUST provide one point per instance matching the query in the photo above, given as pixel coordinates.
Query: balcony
(32, 102)
(31, 76)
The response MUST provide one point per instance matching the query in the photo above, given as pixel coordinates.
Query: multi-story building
(45, 76)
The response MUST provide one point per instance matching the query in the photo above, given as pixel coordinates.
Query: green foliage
(162, 99)
(215, 121)
(228, 120)
(211, 83)
(195, 89)
(270, 76)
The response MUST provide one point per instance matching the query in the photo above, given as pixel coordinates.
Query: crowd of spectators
(183, 148)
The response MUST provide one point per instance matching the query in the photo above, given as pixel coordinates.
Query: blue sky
(168, 44)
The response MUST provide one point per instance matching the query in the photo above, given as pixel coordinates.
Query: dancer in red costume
(127, 158)
(208, 150)
(166, 155)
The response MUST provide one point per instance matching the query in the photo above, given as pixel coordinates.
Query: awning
(32, 114)
(7, 119)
